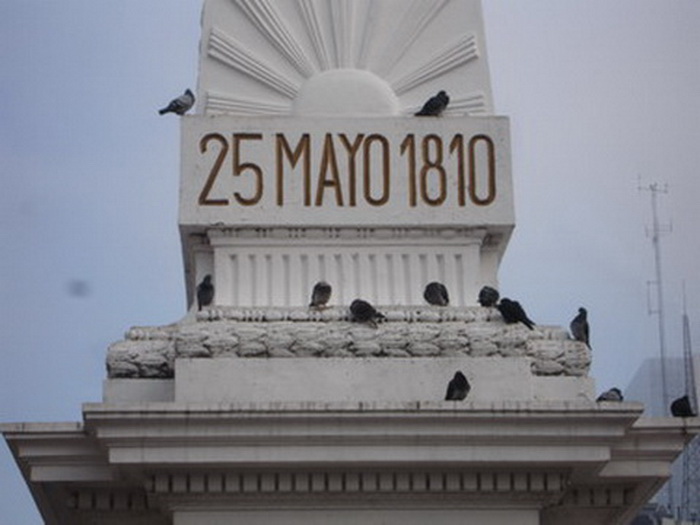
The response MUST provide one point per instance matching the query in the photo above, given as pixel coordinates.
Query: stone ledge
(150, 352)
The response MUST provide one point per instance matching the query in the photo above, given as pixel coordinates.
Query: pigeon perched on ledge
(205, 292)
(513, 313)
(579, 327)
(614, 394)
(321, 294)
(363, 312)
(488, 296)
(457, 388)
(434, 106)
(436, 294)
(179, 105)
(681, 407)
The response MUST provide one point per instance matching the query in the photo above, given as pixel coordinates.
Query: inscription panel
(307, 171)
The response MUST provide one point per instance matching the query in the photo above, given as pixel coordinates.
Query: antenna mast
(656, 231)
(690, 491)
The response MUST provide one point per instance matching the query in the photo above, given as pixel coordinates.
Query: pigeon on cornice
(457, 388)
(205, 292)
(434, 105)
(488, 296)
(614, 394)
(681, 407)
(179, 105)
(320, 294)
(579, 327)
(363, 312)
(512, 313)
(436, 294)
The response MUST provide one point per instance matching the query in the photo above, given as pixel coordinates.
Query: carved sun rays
(338, 34)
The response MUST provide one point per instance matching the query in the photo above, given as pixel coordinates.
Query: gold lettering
(409, 144)
(204, 199)
(457, 145)
(328, 163)
(240, 167)
(433, 163)
(384, 143)
(491, 180)
(283, 149)
(352, 150)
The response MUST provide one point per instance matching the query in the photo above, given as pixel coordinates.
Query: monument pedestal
(204, 422)
(524, 463)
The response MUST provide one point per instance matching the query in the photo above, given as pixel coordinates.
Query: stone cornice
(142, 458)
(360, 435)
(302, 332)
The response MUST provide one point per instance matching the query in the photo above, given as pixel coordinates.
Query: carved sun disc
(346, 92)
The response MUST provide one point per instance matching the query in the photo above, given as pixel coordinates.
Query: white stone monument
(304, 162)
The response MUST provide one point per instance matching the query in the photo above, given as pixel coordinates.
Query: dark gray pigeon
(179, 105)
(681, 408)
(363, 312)
(434, 106)
(512, 313)
(614, 394)
(205, 292)
(436, 294)
(457, 388)
(320, 295)
(488, 296)
(579, 327)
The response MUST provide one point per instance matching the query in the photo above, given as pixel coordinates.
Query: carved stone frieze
(150, 352)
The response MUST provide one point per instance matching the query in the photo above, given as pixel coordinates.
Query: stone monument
(304, 162)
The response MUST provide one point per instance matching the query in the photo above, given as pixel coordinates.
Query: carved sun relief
(341, 57)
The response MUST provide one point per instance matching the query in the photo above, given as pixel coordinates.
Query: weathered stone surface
(151, 358)
(302, 332)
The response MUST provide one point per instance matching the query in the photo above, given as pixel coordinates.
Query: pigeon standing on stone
(579, 327)
(681, 407)
(488, 296)
(179, 105)
(434, 106)
(363, 312)
(457, 388)
(320, 295)
(205, 292)
(436, 294)
(512, 313)
(614, 394)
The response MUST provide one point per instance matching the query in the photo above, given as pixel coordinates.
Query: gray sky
(599, 93)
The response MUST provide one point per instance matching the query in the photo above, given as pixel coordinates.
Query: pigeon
(363, 312)
(681, 408)
(205, 292)
(179, 105)
(457, 388)
(436, 294)
(488, 296)
(320, 295)
(614, 394)
(434, 106)
(579, 327)
(512, 313)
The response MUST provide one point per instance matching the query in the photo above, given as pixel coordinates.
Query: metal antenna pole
(656, 241)
(690, 491)
(655, 234)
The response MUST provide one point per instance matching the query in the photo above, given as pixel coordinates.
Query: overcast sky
(599, 93)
